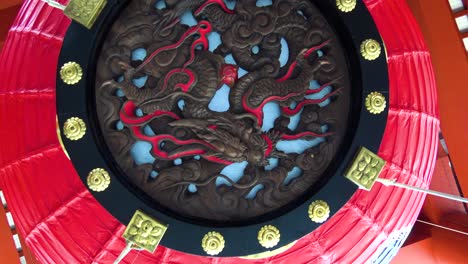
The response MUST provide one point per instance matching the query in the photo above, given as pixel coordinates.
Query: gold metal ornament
(370, 49)
(375, 103)
(144, 232)
(60, 137)
(213, 243)
(270, 253)
(71, 73)
(346, 5)
(365, 169)
(269, 236)
(85, 12)
(385, 51)
(319, 211)
(98, 180)
(74, 128)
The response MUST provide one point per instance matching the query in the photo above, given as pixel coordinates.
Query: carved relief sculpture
(283, 55)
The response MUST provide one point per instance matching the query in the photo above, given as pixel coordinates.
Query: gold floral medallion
(71, 73)
(74, 128)
(213, 243)
(375, 103)
(370, 49)
(269, 236)
(98, 180)
(319, 211)
(346, 5)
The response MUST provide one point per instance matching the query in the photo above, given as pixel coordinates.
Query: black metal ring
(82, 46)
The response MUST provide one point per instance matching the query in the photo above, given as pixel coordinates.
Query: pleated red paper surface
(62, 223)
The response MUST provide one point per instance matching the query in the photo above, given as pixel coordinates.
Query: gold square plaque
(144, 231)
(365, 168)
(85, 12)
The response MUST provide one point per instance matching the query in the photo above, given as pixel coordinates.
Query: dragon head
(257, 157)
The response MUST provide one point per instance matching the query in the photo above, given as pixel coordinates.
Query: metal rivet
(98, 180)
(346, 5)
(370, 49)
(74, 128)
(375, 103)
(213, 243)
(71, 73)
(269, 236)
(319, 211)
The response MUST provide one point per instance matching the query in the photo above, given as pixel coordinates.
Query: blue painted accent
(181, 104)
(262, 3)
(148, 131)
(284, 56)
(295, 119)
(293, 174)
(220, 101)
(139, 54)
(197, 157)
(188, 19)
(300, 145)
(255, 49)
(119, 93)
(231, 4)
(271, 112)
(229, 59)
(119, 125)
(320, 53)
(297, 146)
(177, 162)
(320, 95)
(162, 144)
(161, 5)
(241, 72)
(388, 250)
(121, 78)
(301, 13)
(140, 82)
(234, 171)
(192, 188)
(314, 84)
(385, 254)
(214, 40)
(251, 195)
(140, 152)
(274, 162)
(139, 112)
(154, 174)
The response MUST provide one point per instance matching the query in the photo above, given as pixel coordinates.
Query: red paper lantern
(62, 222)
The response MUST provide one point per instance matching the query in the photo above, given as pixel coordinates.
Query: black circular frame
(122, 200)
